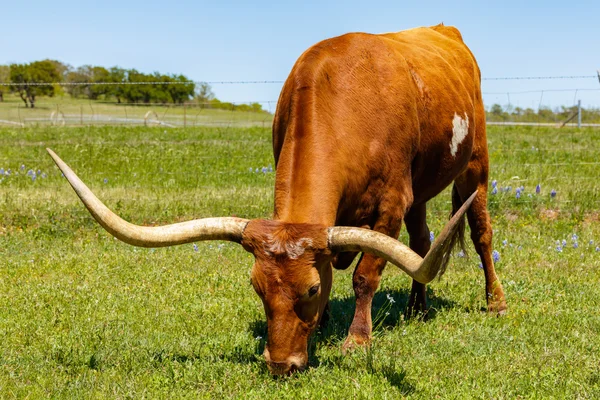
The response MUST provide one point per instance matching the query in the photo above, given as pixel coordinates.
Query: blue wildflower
(461, 254)
(564, 242)
(504, 242)
(597, 248)
(264, 170)
(591, 242)
(270, 168)
(480, 266)
(495, 190)
(553, 193)
(22, 167)
(105, 180)
(520, 248)
(574, 237)
(256, 170)
(559, 249)
(518, 193)
(195, 247)
(1, 171)
(251, 169)
(575, 245)
(496, 256)
(431, 236)
(538, 189)
(494, 183)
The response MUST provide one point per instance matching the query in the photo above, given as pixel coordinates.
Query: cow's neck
(307, 186)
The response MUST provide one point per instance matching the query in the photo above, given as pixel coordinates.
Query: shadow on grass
(386, 315)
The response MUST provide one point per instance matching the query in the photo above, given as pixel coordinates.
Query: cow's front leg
(366, 281)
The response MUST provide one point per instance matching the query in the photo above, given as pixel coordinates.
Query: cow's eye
(314, 290)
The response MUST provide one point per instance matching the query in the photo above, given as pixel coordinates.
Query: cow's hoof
(496, 301)
(355, 342)
(497, 307)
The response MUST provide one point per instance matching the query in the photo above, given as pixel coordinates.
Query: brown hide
(363, 132)
(363, 114)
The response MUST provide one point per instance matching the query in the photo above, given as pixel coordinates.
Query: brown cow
(368, 128)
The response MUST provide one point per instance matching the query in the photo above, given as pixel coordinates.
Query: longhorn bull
(368, 128)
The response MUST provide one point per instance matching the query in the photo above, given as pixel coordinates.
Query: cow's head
(292, 272)
(292, 277)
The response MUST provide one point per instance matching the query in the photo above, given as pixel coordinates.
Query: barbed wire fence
(521, 107)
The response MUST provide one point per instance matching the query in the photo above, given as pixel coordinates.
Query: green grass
(64, 110)
(83, 315)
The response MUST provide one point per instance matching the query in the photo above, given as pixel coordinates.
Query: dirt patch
(549, 215)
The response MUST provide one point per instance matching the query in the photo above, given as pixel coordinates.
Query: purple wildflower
(518, 193)
(461, 254)
(264, 170)
(195, 247)
(574, 237)
(564, 242)
(431, 236)
(559, 249)
(553, 193)
(105, 180)
(504, 242)
(1, 171)
(538, 189)
(496, 256)
(495, 190)
(575, 245)
(597, 248)
(480, 266)
(494, 183)
(22, 167)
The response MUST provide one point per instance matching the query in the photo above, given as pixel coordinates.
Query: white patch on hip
(460, 130)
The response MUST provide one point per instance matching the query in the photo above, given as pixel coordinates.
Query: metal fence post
(579, 114)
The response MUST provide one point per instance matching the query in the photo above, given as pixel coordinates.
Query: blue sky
(260, 40)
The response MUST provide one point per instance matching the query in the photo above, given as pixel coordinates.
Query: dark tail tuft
(459, 235)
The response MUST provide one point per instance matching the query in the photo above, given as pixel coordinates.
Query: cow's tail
(459, 235)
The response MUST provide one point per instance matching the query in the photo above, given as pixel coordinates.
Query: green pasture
(69, 112)
(83, 315)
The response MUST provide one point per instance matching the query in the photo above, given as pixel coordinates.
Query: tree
(4, 78)
(204, 93)
(22, 76)
(116, 75)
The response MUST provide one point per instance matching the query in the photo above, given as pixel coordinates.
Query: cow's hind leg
(475, 178)
(418, 231)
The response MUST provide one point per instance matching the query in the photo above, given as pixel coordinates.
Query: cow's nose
(286, 367)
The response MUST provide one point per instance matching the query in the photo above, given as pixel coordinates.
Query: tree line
(498, 113)
(100, 83)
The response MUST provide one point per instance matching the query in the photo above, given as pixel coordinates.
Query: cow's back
(360, 107)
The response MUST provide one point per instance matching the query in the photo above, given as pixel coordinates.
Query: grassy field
(67, 111)
(85, 316)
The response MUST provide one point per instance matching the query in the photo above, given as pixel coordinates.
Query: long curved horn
(368, 241)
(229, 228)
